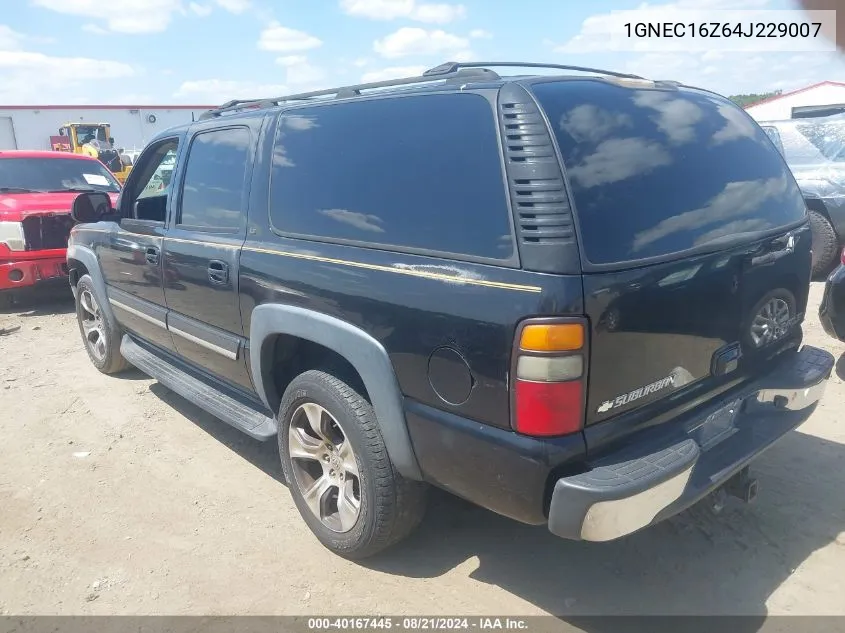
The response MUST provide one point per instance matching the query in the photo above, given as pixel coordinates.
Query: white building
(30, 127)
(827, 97)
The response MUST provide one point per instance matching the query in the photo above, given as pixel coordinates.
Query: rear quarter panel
(412, 304)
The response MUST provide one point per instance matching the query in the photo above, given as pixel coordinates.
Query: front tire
(338, 471)
(99, 334)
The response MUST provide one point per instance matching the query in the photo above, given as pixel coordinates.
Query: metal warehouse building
(822, 99)
(30, 126)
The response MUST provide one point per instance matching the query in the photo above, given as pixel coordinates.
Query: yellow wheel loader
(95, 140)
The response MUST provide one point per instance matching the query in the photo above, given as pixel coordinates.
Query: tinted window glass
(656, 172)
(213, 191)
(420, 172)
(55, 174)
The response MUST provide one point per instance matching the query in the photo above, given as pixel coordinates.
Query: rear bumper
(30, 270)
(661, 475)
(832, 307)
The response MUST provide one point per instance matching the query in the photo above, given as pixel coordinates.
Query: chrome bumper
(645, 484)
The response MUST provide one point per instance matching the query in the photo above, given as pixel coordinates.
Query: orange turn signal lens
(555, 337)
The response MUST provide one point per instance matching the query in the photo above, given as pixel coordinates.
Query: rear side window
(215, 180)
(421, 172)
(658, 172)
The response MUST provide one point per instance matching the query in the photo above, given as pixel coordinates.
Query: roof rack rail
(344, 92)
(446, 71)
(452, 67)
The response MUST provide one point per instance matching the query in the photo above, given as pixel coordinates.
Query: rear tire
(356, 511)
(825, 244)
(100, 335)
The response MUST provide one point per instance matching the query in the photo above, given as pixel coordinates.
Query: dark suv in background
(575, 300)
(814, 149)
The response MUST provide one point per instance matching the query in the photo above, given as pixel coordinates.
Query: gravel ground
(119, 497)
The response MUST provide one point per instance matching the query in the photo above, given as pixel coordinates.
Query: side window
(159, 182)
(148, 196)
(421, 172)
(214, 184)
(772, 133)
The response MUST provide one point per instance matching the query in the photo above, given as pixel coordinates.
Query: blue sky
(207, 51)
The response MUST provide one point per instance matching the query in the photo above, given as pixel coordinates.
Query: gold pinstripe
(387, 269)
(401, 271)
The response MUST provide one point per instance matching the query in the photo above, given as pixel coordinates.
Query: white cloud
(300, 72)
(394, 72)
(618, 159)
(436, 13)
(360, 62)
(95, 29)
(736, 126)
(201, 10)
(148, 16)
(281, 39)
(233, 6)
(736, 73)
(35, 77)
(676, 118)
(9, 39)
(480, 34)
(222, 90)
(589, 123)
(736, 200)
(416, 41)
(378, 9)
(291, 60)
(362, 221)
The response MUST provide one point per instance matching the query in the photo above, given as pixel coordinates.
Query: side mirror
(111, 140)
(90, 207)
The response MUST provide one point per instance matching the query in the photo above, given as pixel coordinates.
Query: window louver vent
(536, 183)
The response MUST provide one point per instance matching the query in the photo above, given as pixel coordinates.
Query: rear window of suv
(658, 172)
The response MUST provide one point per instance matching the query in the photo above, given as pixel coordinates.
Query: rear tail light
(842, 257)
(549, 373)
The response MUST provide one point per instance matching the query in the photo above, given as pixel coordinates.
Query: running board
(238, 414)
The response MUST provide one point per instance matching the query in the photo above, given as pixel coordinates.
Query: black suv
(574, 299)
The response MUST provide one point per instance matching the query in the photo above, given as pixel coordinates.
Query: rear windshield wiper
(19, 190)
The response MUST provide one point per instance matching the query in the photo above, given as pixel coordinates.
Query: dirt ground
(119, 497)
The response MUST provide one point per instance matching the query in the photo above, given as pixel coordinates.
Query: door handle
(218, 272)
(152, 255)
(787, 242)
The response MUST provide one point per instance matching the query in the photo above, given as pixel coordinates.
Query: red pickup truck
(37, 189)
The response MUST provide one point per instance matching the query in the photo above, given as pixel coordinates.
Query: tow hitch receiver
(742, 486)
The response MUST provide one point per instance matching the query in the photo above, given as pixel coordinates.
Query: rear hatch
(693, 242)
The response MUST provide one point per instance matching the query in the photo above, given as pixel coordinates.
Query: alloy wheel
(324, 467)
(771, 322)
(92, 325)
